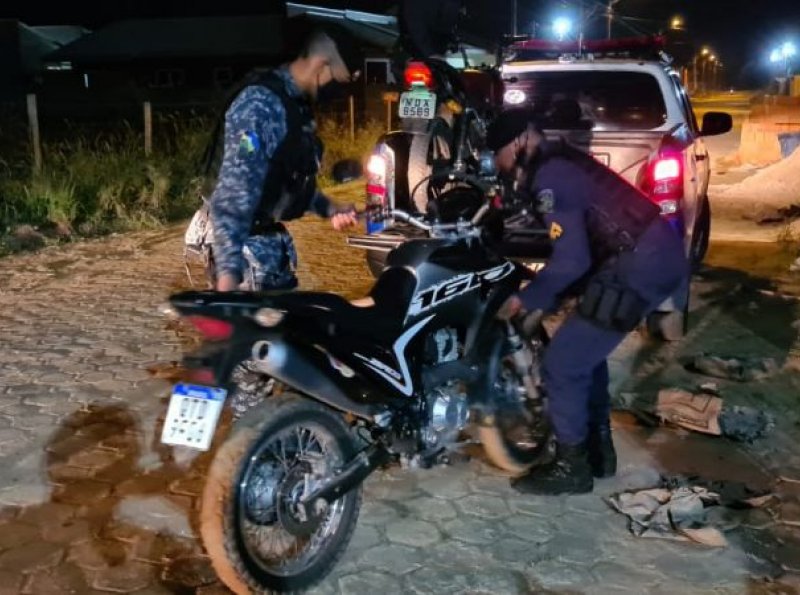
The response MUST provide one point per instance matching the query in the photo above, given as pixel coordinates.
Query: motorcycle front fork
(525, 366)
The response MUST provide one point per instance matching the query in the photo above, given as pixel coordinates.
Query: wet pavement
(91, 503)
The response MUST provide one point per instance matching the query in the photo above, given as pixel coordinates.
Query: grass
(96, 183)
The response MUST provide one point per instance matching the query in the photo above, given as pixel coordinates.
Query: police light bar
(652, 43)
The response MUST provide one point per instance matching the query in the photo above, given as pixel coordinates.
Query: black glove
(530, 322)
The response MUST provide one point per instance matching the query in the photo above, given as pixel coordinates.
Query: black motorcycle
(397, 376)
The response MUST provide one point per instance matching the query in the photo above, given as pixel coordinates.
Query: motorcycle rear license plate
(193, 415)
(418, 104)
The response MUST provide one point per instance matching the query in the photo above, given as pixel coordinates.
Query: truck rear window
(606, 100)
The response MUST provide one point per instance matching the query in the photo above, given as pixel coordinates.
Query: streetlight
(676, 23)
(784, 53)
(561, 27)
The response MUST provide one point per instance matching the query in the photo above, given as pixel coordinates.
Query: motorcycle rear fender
(399, 142)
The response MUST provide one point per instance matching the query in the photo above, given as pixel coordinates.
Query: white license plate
(193, 415)
(418, 104)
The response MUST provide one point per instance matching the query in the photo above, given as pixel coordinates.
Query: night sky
(740, 31)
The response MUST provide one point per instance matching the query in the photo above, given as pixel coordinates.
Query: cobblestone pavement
(91, 503)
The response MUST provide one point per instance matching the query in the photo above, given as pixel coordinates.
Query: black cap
(298, 30)
(348, 46)
(509, 125)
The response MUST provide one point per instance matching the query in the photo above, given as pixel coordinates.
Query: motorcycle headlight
(269, 317)
(515, 96)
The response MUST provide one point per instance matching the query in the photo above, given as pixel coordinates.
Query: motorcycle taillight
(418, 74)
(212, 329)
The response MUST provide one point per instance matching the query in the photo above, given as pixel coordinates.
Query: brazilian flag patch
(248, 143)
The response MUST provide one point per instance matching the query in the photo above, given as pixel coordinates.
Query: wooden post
(390, 98)
(36, 141)
(148, 128)
(352, 119)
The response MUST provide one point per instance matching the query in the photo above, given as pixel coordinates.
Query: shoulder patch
(545, 201)
(556, 231)
(249, 143)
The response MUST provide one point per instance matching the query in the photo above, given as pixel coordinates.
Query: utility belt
(612, 305)
(265, 226)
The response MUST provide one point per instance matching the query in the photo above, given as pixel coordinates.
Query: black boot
(568, 473)
(602, 456)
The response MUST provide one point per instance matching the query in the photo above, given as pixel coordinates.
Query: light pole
(711, 59)
(704, 52)
(610, 15)
(514, 17)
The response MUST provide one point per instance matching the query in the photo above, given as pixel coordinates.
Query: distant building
(185, 62)
(22, 53)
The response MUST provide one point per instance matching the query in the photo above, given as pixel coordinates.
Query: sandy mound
(777, 184)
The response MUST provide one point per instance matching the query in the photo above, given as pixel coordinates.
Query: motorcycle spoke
(300, 457)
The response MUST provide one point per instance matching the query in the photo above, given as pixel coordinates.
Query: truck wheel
(668, 326)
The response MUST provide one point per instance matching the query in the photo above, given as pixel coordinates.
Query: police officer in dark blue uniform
(268, 160)
(610, 243)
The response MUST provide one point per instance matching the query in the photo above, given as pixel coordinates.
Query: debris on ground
(733, 368)
(688, 509)
(706, 412)
(773, 215)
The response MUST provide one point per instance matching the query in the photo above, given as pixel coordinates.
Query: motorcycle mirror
(347, 170)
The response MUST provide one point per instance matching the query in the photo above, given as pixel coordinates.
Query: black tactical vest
(618, 213)
(291, 181)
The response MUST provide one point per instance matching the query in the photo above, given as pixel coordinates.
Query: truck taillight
(663, 182)
(418, 74)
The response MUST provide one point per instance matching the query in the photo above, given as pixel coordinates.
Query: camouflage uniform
(255, 126)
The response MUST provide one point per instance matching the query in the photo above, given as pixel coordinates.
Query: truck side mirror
(715, 123)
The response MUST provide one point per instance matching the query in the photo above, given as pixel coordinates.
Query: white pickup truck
(636, 118)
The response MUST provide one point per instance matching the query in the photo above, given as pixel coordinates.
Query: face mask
(331, 92)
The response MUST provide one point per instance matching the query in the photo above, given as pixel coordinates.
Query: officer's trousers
(575, 369)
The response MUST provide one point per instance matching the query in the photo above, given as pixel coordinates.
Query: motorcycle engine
(449, 411)
(447, 404)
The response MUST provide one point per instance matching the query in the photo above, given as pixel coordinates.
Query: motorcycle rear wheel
(254, 536)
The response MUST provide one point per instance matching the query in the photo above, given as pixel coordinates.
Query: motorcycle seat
(380, 314)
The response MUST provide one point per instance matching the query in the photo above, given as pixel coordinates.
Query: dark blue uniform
(575, 370)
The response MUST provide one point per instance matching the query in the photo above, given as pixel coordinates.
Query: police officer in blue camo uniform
(269, 160)
(612, 248)
(267, 156)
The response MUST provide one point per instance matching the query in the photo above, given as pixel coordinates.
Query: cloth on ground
(733, 368)
(682, 509)
(706, 412)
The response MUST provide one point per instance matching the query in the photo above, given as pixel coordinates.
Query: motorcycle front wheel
(517, 435)
(258, 539)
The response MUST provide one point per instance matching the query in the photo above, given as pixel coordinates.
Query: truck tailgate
(622, 151)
